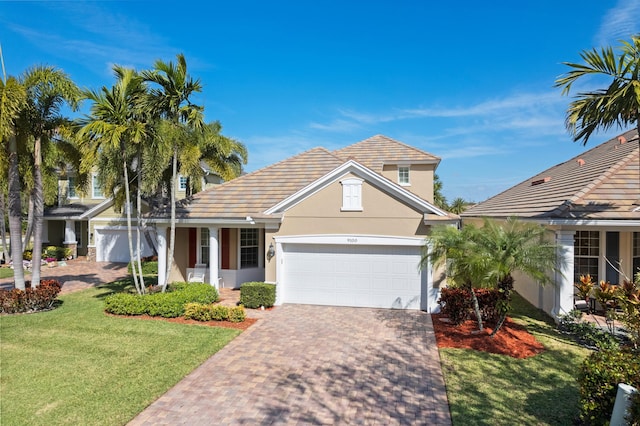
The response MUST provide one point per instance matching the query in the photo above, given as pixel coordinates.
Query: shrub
(599, 376)
(59, 253)
(237, 314)
(457, 305)
(36, 299)
(256, 294)
(586, 333)
(208, 312)
(27, 255)
(148, 267)
(633, 418)
(168, 305)
(125, 304)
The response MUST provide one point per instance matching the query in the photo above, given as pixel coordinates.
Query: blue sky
(468, 81)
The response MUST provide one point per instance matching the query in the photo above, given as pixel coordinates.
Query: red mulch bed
(512, 339)
(248, 322)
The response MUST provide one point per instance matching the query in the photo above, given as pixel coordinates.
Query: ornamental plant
(585, 287)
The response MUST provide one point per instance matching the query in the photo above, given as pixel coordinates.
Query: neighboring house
(591, 207)
(333, 228)
(88, 224)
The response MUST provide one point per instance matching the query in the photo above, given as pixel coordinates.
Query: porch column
(563, 301)
(214, 255)
(161, 243)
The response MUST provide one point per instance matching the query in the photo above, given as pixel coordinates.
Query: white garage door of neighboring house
(112, 245)
(354, 275)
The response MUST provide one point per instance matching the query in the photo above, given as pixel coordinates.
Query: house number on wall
(352, 240)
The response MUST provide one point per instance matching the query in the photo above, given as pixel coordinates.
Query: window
(351, 194)
(182, 183)
(249, 248)
(71, 187)
(204, 246)
(96, 188)
(636, 253)
(586, 254)
(403, 175)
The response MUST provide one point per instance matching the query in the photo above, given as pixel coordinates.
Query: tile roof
(254, 193)
(601, 183)
(378, 150)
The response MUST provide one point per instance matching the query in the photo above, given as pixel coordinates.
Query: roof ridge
(390, 139)
(270, 166)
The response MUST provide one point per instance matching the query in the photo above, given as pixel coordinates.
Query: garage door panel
(112, 245)
(361, 276)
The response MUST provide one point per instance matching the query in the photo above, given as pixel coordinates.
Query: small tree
(458, 251)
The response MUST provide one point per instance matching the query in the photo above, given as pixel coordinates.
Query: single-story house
(342, 228)
(591, 206)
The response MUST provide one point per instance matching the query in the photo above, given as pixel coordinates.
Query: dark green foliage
(599, 377)
(253, 295)
(148, 268)
(58, 253)
(125, 304)
(209, 312)
(41, 298)
(586, 333)
(169, 305)
(633, 418)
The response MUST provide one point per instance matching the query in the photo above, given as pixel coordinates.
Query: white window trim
(94, 178)
(240, 247)
(71, 186)
(408, 183)
(182, 187)
(351, 195)
(203, 242)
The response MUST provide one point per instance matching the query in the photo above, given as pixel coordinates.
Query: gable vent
(540, 181)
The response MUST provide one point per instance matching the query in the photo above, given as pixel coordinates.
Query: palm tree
(171, 101)
(457, 206)
(514, 246)
(223, 155)
(618, 104)
(48, 89)
(438, 198)
(458, 251)
(116, 122)
(12, 99)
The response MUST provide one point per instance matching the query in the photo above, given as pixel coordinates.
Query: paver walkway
(304, 364)
(79, 274)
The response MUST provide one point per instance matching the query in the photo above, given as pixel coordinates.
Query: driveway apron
(305, 364)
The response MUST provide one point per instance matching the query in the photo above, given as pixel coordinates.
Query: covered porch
(233, 254)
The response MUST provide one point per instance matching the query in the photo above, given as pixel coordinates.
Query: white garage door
(350, 275)
(112, 245)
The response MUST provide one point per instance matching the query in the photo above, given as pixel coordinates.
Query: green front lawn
(76, 365)
(488, 389)
(8, 272)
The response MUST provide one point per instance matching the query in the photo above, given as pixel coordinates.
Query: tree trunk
(3, 231)
(172, 238)
(129, 235)
(29, 230)
(139, 223)
(476, 307)
(15, 214)
(38, 212)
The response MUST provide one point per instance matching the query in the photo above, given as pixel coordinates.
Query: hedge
(209, 312)
(168, 305)
(254, 295)
(36, 299)
(599, 377)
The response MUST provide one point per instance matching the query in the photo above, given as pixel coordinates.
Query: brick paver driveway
(306, 364)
